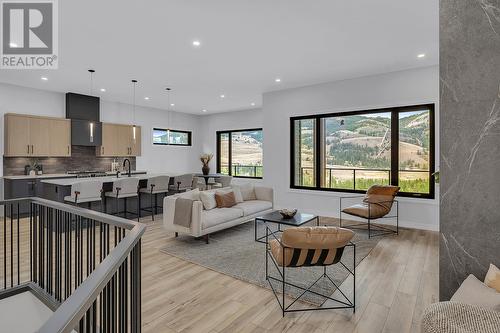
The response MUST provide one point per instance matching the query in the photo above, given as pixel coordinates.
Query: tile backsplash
(82, 158)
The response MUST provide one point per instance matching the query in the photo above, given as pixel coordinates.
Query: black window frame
(189, 133)
(230, 148)
(394, 179)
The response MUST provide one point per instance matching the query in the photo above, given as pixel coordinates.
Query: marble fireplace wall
(470, 140)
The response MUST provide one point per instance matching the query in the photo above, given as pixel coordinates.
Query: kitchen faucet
(125, 162)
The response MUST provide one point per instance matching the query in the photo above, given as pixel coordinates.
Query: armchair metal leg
(205, 237)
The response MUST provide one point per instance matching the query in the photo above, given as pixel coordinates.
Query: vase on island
(205, 160)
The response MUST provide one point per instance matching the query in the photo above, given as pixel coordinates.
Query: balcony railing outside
(362, 178)
(240, 170)
(85, 264)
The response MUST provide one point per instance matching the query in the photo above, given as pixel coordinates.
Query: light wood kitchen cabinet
(40, 136)
(117, 140)
(109, 145)
(124, 139)
(36, 136)
(17, 136)
(60, 137)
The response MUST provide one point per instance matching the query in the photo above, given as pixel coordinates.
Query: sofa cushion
(247, 191)
(208, 199)
(254, 206)
(217, 216)
(193, 194)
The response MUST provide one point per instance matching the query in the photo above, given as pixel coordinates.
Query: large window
(163, 136)
(239, 153)
(352, 151)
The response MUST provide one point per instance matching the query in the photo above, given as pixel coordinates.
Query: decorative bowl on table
(288, 213)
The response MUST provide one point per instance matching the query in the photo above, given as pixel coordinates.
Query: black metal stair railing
(84, 265)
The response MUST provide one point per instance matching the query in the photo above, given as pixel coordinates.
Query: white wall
(174, 159)
(251, 118)
(393, 89)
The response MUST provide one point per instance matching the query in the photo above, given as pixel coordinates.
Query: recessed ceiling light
(222, 96)
(252, 104)
(172, 104)
(421, 55)
(204, 110)
(277, 80)
(146, 98)
(103, 90)
(196, 43)
(44, 78)
(12, 44)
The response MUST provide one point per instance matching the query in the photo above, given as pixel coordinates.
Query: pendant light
(134, 82)
(169, 113)
(91, 124)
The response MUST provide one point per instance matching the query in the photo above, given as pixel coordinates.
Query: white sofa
(204, 222)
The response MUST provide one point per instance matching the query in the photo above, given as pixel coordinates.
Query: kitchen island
(57, 189)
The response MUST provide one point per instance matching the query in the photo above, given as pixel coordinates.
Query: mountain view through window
(356, 151)
(240, 153)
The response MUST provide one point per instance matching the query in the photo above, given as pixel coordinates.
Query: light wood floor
(397, 280)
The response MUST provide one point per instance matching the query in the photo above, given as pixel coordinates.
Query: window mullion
(230, 152)
(394, 148)
(317, 146)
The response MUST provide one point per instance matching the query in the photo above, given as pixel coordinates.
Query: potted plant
(33, 167)
(205, 160)
(436, 177)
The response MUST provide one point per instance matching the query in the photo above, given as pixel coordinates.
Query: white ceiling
(245, 45)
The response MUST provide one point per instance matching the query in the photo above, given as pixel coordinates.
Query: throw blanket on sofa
(183, 212)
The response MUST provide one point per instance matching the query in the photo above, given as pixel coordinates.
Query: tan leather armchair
(376, 204)
(305, 247)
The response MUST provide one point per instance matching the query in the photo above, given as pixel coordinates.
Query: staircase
(65, 268)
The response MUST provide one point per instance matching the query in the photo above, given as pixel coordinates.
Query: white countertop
(110, 179)
(59, 175)
(44, 176)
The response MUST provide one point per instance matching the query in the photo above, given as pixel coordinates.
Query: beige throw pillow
(208, 199)
(474, 292)
(492, 278)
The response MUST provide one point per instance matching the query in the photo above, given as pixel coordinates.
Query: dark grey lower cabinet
(20, 188)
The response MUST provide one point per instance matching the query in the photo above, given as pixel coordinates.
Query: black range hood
(83, 110)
